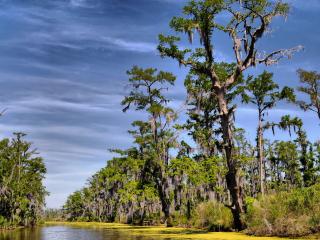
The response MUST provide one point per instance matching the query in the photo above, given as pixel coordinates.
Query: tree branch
(275, 56)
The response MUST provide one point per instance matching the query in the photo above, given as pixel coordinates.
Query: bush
(3, 222)
(213, 215)
(286, 214)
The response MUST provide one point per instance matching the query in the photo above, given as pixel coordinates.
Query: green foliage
(294, 213)
(245, 22)
(53, 215)
(308, 164)
(4, 222)
(146, 94)
(216, 168)
(115, 193)
(213, 215)
(285, 165)
(310, 81)
(264, 93)
(22, 194)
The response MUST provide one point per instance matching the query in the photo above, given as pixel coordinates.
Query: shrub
(294, 213)
(213, 215)
(3, 222)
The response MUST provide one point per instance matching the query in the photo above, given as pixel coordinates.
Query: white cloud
(131, 45)
(42, 104)
(81, 3)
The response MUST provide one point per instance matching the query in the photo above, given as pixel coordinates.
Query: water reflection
(21, 234)
(65, 233)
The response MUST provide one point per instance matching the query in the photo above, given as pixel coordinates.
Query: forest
(22, 193)
(192, 165)
(205, 172)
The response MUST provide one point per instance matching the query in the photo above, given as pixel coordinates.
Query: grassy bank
(286, 214)
(162, 232)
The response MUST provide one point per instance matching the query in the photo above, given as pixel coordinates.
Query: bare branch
(275, 56)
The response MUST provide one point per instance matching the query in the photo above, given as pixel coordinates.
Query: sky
(63, 70)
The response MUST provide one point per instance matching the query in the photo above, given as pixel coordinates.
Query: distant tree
(74, 206)
(264, 94)
(307, 161)
(310, 87)
(246, 22)
(287, 165)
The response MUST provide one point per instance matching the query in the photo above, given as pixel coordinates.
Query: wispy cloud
(50, 105)
(79, 3)
(130, 45)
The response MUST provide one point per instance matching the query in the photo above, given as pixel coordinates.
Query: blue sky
(63, 74)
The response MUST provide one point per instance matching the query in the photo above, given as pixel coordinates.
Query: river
(67, 232)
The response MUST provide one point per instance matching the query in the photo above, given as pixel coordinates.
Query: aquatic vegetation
(162, 232)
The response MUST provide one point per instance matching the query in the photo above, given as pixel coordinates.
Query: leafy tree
(22, 194)
(287, 164)
(74, 206)
(217, 168)
(264, 94)
(114, 193)
(306, 159)
(147, 87)
(202, 114)
(311, 87)
(247, 22)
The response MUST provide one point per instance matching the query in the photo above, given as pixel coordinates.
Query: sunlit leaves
(22, 194)
(146, 92)
(263, 92)
(311, 87)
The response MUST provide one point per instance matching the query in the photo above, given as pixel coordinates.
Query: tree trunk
(260, 153)
(163, 187)
(232, 177)
(161, 179)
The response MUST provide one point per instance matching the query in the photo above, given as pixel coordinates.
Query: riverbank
(174, 232)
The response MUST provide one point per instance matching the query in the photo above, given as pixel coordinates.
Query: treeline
(214, 177)
(22, 194)
(192, 183)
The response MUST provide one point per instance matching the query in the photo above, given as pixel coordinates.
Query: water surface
(68, 233)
